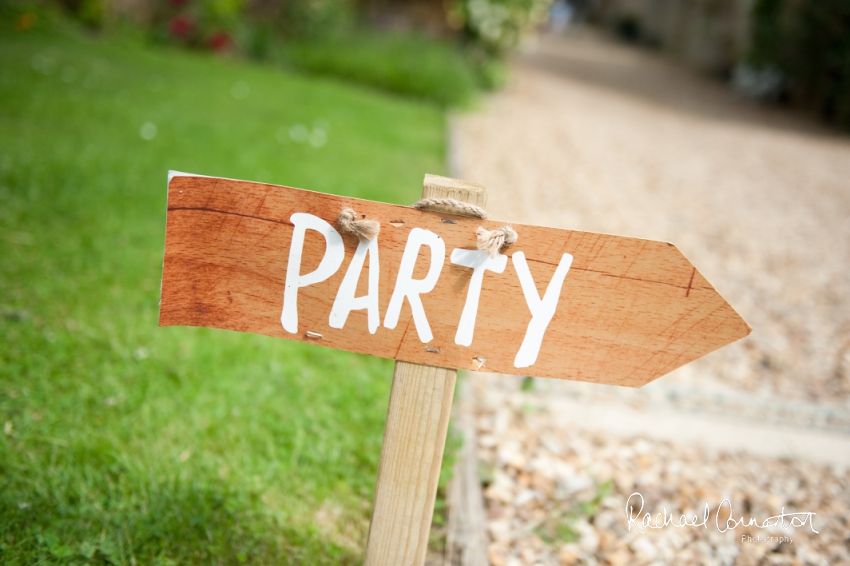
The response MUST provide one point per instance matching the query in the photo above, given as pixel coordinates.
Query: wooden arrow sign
(260, 258)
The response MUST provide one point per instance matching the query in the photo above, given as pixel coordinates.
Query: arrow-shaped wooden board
(558, 303)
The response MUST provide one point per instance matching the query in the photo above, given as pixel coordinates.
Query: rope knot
(364, 230)
(491, 241)
(450, 206)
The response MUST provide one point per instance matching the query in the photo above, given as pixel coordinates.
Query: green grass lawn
(125, 443)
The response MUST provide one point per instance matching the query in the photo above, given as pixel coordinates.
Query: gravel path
(595, 136)
(557, 494)
(761, 208)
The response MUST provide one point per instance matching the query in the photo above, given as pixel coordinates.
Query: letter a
(407, 286)
(346, 302)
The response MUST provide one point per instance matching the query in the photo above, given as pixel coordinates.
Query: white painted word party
(557, 303)
(409, 289)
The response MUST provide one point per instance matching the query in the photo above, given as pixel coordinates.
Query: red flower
(219, 41)
(181, 26)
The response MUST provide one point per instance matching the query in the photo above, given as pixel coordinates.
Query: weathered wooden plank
(629, 311)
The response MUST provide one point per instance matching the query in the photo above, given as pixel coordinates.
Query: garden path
(593, 135)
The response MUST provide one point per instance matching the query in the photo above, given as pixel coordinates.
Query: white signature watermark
(772, 540)
(663, 519)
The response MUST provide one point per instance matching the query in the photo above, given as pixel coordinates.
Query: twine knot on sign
(491, 241)
(451, 206)
(364, 230)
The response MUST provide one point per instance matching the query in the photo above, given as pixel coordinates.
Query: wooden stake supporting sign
(414, 438)
(271, 260)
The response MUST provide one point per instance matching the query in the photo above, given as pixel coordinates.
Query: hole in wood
(397, 223)
(315, 335)
(432, 350)
(448, 221)
(480, 361)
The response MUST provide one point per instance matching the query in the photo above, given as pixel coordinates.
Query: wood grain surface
(630, 310)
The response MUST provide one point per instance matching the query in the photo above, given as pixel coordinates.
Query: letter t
(479, 262)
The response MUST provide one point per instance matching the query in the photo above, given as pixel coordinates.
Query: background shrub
(442, 53)
(404, 64)
(810, 43)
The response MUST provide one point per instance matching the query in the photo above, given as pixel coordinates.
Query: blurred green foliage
(499, 25)
(124, 443)
(404, 64)
(810, 43)
(332, 37)
(492, 29)
(306, 19)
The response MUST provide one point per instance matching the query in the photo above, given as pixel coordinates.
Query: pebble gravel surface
(592, 135)
(558, 494)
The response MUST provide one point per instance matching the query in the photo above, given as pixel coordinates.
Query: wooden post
(414, 438)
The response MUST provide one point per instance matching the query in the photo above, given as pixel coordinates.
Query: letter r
(411, 289)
